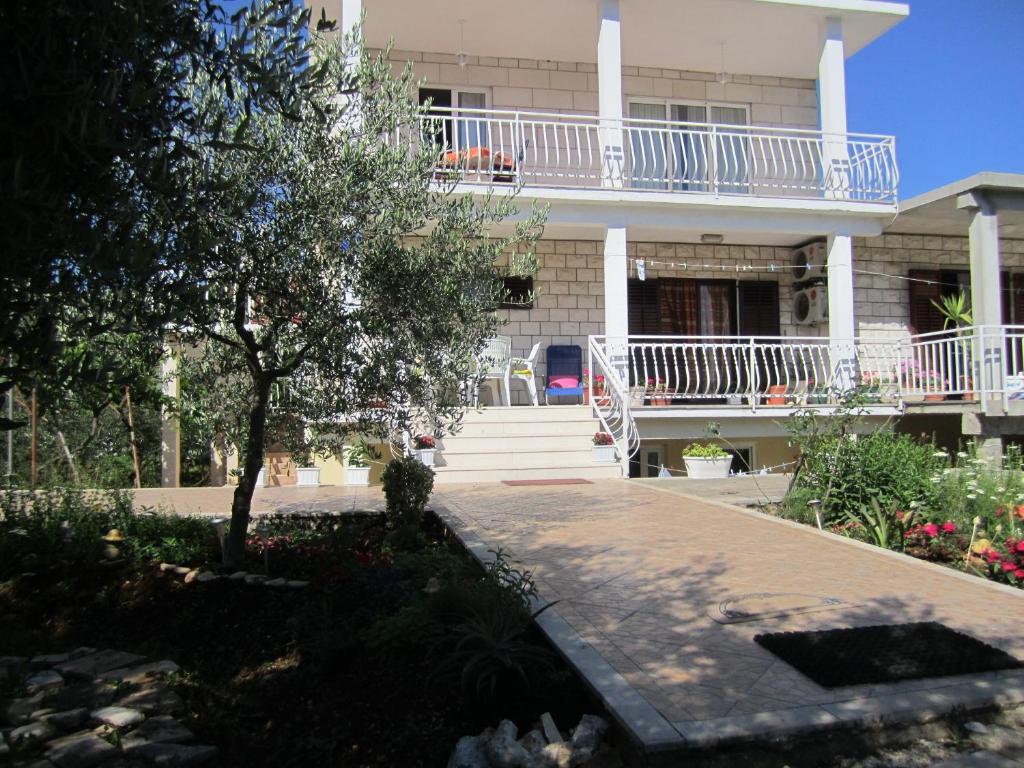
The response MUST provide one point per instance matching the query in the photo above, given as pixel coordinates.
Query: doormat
(885, 654)
(566, 481)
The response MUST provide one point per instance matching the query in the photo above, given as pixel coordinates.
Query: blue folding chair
(565, 372)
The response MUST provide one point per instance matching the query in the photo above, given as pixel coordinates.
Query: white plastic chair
(493, 364)
(522, 369)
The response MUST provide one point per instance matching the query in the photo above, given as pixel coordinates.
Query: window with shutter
(758, 309)
(925, 287)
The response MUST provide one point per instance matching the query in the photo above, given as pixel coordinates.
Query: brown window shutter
(680, 315)
(759, 309)
(644, 313)
(924, 315)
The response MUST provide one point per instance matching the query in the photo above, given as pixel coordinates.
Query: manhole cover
(769, 605)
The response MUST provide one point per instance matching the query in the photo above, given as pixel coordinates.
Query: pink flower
(948, 527)
(1008, 566)
(1019, 573)
(932, 529)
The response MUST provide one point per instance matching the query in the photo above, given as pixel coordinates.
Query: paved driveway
(647, 577)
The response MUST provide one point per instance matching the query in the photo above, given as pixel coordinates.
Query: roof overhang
(939, 211)
(780, 38)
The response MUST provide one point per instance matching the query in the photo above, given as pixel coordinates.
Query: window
(684, 307)
(517, 293)
(459, 125)
(688, 155)
(927, 286)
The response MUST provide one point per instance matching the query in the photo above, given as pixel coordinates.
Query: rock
(79, 750)
(433, 586)
(81, 651)
(470, 752)
(162, 729)
(533, 741)
(556, 755)
(207, 576)
(975, 727)
(297, 583)
(31, 733)
(142, 673)
(182, 570)
(605, 758)
(96, 663)
(503, 750)
(92, 695)
(118, 717)
(191, 576)
(49, 659)
(587, 738)
(12, 661)
(68, 720)
(237, 576)
(174, 754)
(547, 724)
(255, 578)
(277, 582)
(153, 698)
(43, 681)
(167, 567)
(999, 738)
(20, 710)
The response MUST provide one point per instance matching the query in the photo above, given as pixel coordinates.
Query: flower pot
(357, 476)
(707, 468)
(603, 453)
(307, 477)
(934, 398)
(261, 478)
(776, 395)
(426, 456)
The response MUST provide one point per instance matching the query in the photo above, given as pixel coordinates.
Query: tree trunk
(241, 504)
(130, 422)
(67, 454)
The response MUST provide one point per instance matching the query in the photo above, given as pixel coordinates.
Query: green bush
(704, 451)
(848, 473)
(407, 487)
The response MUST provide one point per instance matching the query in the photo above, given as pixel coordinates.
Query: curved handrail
(612, 406)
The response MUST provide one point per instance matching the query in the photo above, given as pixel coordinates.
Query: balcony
(970, 368)
(556, 151)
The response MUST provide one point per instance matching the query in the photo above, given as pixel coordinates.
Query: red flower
(932, 529)
(900, 515)
(1019, 573)
(1019, 511)
(1020, 546)
(1008, 566)
(948, 527)
(992, 556)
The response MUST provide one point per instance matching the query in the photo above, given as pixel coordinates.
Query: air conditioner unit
(809, 263)
(810, 305)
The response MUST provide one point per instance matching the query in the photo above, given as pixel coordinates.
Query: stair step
(517, 460)
(592, 472)
(461, 443)
(529, 413)
(526, 428)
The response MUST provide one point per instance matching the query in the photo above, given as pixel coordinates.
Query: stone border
(903, 704)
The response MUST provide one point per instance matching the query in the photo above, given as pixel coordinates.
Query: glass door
(689, 147)
(731, 149)
(647, 147)
(471, 126)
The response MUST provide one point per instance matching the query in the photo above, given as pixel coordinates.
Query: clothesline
(664, 471)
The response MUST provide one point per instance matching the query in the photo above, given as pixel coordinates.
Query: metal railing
(960, 365)
(564, 150)
(611, 402)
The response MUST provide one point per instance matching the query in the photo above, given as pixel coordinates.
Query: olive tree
(345, 276)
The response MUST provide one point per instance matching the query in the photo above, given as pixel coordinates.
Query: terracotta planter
(934, 398)
(776, 395)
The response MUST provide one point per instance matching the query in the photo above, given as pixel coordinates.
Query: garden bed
(359, 668)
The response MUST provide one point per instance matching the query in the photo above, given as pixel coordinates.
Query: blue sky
(948, 82)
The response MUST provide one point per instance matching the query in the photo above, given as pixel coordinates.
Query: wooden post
(35, 433)
(131, 437)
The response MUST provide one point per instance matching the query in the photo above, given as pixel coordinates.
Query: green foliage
(704, 451)
(407, 488)
(360, 453)
(884, 527)
(446, 566)
(50, 528)
(955, 310)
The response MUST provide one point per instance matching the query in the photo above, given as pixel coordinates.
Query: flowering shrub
(603, 438)
(1008, 565)
(934, 541)
(424, 442)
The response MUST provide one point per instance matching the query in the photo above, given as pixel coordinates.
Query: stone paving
(642, 573)
(217, 501)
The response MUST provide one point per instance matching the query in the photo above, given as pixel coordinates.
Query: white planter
(357, 476)
(307, 477)
(426, 455)
(261, 478)
(603, 453)
(707, 469)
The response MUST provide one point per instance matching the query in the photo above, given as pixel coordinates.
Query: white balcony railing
(966, 365)
(559, 150)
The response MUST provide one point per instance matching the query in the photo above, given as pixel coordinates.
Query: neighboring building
(686, 150)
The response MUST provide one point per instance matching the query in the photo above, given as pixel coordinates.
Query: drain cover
(769, 605)
(885, 654)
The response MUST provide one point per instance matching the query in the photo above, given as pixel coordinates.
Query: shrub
(704, 451)
(407, 487)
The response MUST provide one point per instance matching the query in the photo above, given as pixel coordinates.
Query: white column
(841, 322)
(609, 91)
(616, 312)
(832, 109)
(986, 294)
(170, 431)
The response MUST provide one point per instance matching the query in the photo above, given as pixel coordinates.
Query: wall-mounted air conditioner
(810, 305)
(809, 263)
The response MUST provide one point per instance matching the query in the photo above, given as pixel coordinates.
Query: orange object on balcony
(478, 157)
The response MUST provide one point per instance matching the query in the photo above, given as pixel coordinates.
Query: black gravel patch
(885, 654)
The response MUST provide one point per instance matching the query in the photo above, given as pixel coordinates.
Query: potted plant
(604, 447)
(661, 393)
(600, 397)
(956, 314)
(424, 448)
(706, 461)
(910, 382)
(776, 394)
(358, 457)
(586, 386)
(932, 381)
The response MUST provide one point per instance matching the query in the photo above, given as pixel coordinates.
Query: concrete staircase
(523, 443)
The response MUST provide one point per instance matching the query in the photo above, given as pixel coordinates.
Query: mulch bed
(885, 654)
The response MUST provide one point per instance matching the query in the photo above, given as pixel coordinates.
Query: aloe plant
(955, 311)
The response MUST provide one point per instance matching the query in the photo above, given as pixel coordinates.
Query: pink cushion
(563, 382)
